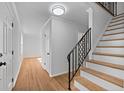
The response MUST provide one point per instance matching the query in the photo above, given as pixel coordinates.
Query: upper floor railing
(111, 7)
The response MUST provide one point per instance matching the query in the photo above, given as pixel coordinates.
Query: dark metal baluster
(72, 63)
(69, 73)
(75, 58)
(90, 38)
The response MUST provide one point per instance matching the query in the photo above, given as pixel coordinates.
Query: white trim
(54, 75)
(90, 19)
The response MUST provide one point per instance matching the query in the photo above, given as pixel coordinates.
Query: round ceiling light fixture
(58, 10)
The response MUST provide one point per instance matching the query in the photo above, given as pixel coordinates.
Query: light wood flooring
(32, 77)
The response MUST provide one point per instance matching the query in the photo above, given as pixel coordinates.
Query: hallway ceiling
(34, 14)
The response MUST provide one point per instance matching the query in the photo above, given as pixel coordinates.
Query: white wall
(101, 19)
(64, 37)
(120, 7)
(32, 45)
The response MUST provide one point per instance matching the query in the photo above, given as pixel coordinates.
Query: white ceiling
(34, 14)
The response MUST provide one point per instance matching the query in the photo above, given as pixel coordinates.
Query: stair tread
(115, 28)
(108, 54)
(113, 33)
(118, 39)
(116, 24)
(104, 76)
(121, 67)
(117, 20)
(109, 46)
(114, 18)
(88, 84)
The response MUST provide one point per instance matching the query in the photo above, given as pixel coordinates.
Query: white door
(6, 55)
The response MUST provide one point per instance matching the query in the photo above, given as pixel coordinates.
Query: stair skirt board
(111, 50)
(112, 43)
(109, 59)
(110, 71)
(104, 84)
(79, 86)
(116, 36)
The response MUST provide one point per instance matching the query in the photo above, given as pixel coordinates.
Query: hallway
(32, 77)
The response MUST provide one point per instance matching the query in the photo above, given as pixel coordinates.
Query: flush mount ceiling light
(58, 10)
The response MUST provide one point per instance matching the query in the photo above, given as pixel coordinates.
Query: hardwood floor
(33, 77)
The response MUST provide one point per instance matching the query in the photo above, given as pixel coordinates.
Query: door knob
(2, 63)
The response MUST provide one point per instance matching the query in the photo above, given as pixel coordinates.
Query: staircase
(105, 72)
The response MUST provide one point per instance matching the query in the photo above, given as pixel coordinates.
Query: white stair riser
(111, 50)
(104, 84)
(117, 22)
(110, 71)
(117, 26)
(111, 43)
(79, 86)
(113, 36)
(114, 31)
(109, 59)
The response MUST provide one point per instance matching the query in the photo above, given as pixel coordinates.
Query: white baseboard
(54, 75)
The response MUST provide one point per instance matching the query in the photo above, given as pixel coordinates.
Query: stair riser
(113, 36)
(117, 26)
(105, 84)
(79, 86)
(111, 71)
(109, 59)
(114, 31)
(111, 43)
(116, 22)
(111, 50)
